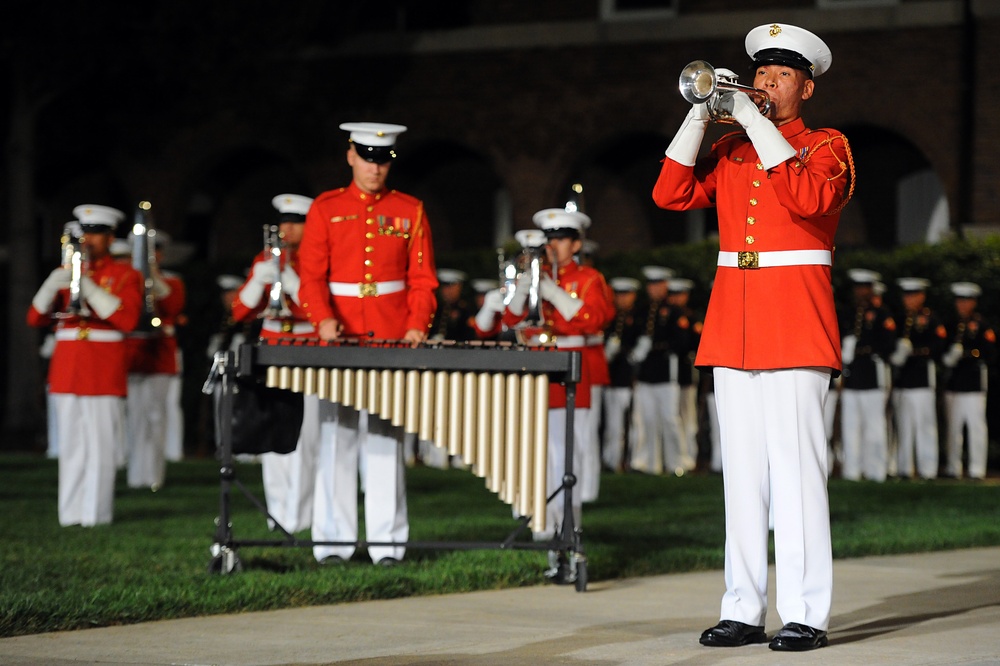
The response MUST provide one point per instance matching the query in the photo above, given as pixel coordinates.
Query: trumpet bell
(697, 81)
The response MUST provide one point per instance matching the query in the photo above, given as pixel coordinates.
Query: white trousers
(90, 428)
(917, 431)
(863, 434)
(616, 403)
(146, 410)
(52, 424)
(590, 452)
(968, 410)
(774, 453)
(175, 421)
(290, 478)
(687, 412)
(556, 460)
(344, 432)
(713, 422)
(656, 420)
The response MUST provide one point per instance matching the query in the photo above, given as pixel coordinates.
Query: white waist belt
(92, 334)
(775, 258)
(594, 340)
(362, 289)
(279, 326)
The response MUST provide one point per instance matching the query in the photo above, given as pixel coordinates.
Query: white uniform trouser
(555, 510)
(687, 412)
(175, 420)
(616, 402)
(90, 428)
(52, 423)
(590, 452)
(655, 412)
(966, 409)
(344, 432)
(290, 478)
(713, 422)
(774, 453)
(146, 410)
(863, 434)
(917, 429)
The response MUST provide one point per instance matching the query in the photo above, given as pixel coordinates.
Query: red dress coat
(777, 317)
(355, 238)
(295, 326)
(155, 352)
(598, 310)
(85, 366)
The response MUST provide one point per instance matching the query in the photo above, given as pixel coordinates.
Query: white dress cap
(878, 287)
(624, 284)
(863, 276)
(913, 284)
(555, 219)
(530, 238)
(450, 276)
(966, 289)
(779, 42)
(680, 284)
(120, 248)
(93, 215)
(292, 203)
(481, 286)
(229, 282)
(373, 134)
(657, 273)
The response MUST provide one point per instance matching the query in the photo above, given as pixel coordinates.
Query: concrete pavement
(935, 608)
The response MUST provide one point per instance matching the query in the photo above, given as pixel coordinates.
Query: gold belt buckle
(746, 260)
(367, 289)
(286, 326)
(82, 333)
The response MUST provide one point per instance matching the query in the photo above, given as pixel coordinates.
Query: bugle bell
(701, 83)
(74, 257)
(274, 246)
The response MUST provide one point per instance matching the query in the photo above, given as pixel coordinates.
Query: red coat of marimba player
(88, 370)
(576, 303)
(367, 267)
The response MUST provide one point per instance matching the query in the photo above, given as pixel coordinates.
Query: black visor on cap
(291, 217)
(96, 228)
(783, 57)
(376, 154)
(562, 232)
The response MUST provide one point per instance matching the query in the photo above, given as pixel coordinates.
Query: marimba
(485, 402)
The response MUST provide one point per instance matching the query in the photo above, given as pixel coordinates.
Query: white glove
(101, 302)
(953, 355)
(612, 347)
(641, 350)
(847, 349)
(160, 288)
(903, 350)
(290, 283)
(57, 279)
(685, 145)
(492, 306)
(520, 297)
(566, 304)
(772, 148)
(263, 274)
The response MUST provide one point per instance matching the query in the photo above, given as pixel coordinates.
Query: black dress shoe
(730, 633)
(332, 561)
(388, 562)
(795, 637)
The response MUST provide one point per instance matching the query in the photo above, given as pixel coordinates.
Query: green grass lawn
(152, 562)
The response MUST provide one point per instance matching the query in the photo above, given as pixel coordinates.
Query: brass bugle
(700, 83)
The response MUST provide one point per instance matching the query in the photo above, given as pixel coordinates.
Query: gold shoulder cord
(844, 168)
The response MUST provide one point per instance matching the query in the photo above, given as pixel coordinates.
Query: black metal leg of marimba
(224, 558)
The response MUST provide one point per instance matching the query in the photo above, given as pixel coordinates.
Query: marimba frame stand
(567, 541)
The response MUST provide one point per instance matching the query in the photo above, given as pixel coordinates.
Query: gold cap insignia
(775, 30)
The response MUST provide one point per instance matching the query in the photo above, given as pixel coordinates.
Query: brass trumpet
(74, 257)
(700, 82)
(274, 246)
